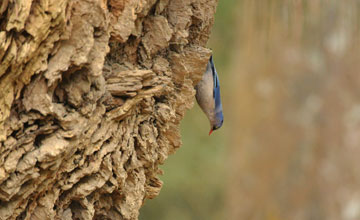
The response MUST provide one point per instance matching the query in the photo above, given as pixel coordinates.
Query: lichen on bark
(92, 94)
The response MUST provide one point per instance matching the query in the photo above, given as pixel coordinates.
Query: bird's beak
(211, 131)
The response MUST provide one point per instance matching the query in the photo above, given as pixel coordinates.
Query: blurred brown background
(290, 144)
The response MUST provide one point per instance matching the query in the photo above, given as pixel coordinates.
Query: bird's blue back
(216, 94)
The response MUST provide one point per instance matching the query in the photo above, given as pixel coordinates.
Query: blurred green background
(290, 144)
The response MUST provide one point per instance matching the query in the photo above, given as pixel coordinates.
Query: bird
(208, 96)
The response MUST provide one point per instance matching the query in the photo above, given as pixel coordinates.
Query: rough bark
(92, 93)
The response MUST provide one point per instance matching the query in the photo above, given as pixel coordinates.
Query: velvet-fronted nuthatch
(208, 96)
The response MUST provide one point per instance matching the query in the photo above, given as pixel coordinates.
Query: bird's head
(217, 123)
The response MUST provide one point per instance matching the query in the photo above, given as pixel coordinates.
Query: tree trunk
(92, 93)
(295, 125)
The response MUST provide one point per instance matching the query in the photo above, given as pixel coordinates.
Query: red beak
(211, 131)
